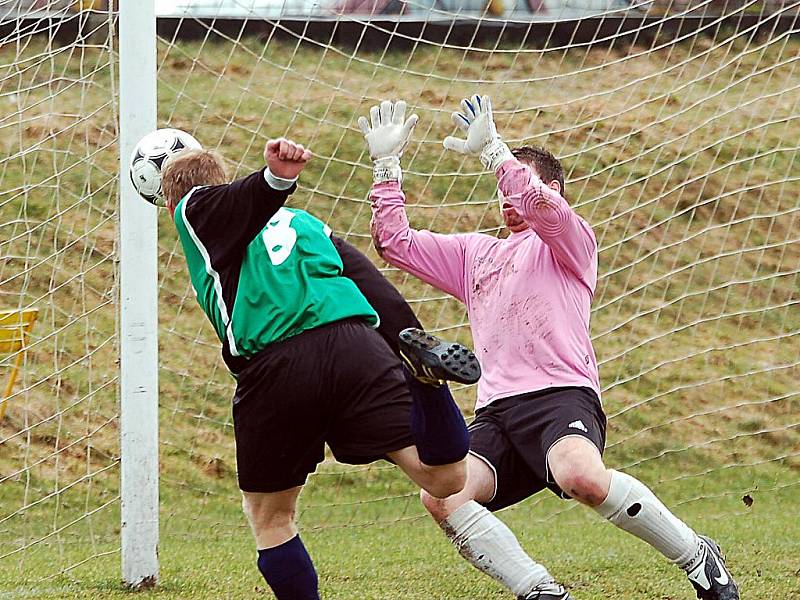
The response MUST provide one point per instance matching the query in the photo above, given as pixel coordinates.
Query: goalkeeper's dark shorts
(338, 384)
(513, 436)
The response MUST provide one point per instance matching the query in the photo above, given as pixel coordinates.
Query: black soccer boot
(433, 361)
(547, 591)
(709, 575)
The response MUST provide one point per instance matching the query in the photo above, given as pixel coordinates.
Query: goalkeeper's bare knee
(578, 469)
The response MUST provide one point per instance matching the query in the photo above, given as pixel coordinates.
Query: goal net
(677, 125)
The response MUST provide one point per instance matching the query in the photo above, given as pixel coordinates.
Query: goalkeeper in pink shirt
(539, 423)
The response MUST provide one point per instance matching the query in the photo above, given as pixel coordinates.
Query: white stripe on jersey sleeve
(223, 310)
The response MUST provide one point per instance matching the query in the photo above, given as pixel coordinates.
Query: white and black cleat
(547, 591)
(434, 361)
(710, 577)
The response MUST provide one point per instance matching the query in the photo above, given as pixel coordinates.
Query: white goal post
(138, 303)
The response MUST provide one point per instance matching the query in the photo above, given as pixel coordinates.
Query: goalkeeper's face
(510, 216)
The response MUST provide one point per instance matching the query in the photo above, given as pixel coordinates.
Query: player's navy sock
(289, 571)
(437, 425)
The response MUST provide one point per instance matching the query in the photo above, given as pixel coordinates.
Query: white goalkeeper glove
(482, 140)
(387, 138)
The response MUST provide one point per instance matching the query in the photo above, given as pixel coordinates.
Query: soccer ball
(149, 157)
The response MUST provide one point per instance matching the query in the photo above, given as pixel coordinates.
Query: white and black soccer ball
(149, 157)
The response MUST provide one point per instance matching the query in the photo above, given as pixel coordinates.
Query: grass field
(411, 559)
(683, 158)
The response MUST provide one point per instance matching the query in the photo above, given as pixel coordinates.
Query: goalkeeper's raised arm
(434, 258)
(527, 198)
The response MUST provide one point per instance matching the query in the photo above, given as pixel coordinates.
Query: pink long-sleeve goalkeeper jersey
(527, 296)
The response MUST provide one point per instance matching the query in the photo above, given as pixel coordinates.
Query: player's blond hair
(187, 170)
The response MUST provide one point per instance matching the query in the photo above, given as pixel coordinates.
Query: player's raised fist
(285, 158)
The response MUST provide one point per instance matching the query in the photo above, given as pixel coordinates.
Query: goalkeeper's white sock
(490, 546)
(631, 506)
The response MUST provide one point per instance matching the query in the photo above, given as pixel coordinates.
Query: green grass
(411, 558)
(684, 160)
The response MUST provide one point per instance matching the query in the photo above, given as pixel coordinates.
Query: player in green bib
(311, 331)
(294, 246)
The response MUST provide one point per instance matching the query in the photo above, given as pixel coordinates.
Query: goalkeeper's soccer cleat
(547, 591)
(710, 577)
(434, 361)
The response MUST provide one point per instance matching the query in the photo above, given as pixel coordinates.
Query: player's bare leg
(578, 469)
(271, 516)
(436, 480)
(282, 558)
(485, 541)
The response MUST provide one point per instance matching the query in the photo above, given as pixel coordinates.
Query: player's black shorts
(339, 384)
(513, 435)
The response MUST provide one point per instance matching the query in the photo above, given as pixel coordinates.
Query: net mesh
(680, 148)
(58, 188)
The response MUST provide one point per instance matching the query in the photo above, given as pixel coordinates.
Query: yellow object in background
(15, 326)
(495, 8)
(80, 5)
